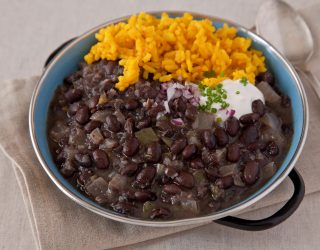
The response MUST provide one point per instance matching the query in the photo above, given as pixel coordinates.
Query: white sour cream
(239, 97)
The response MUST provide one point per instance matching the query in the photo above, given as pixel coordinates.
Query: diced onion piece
(99, 115)
(204, 120)
(269, 94)
(190, 205)
(97, 187)
(118, 182)
(227, 169)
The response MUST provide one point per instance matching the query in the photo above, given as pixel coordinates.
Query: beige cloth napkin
(58, 222)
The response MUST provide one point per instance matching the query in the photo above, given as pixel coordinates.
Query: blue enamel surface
(68, 63)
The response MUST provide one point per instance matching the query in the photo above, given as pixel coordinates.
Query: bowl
(65, 60)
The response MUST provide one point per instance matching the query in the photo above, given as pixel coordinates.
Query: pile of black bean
(123, 150)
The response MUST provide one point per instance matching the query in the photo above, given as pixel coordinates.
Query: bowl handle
(280, 216)
(56, 51)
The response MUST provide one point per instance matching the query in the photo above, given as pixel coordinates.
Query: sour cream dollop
(239, 97)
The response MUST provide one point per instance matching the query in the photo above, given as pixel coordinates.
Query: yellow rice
(176, 48)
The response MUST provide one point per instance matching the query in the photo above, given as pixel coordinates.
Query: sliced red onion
(232, 112)
(177, 122)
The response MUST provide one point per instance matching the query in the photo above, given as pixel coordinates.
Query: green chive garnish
(244, 81)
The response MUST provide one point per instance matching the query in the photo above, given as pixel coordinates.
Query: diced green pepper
(146, 136)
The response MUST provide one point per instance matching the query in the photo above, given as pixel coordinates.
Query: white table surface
(30, 30)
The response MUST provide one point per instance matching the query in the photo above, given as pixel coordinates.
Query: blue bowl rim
(235, 209)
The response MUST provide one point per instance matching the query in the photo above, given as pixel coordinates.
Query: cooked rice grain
(176, 48)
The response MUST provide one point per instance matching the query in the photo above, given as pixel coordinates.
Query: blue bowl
(67, 61)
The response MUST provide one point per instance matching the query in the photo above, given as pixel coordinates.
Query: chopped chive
(209, 74)
(214, 110)
(238, 92)
(222, 73)
(244, 81)
(219, 120)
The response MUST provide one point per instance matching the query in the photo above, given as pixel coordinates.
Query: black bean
(160, 213)
(73, 95)
(143, 123)
(93, 101)
(266, 77)
(68, 168)
(131, 104)
(178, 146)
(189, 151)
(179, 105)
(221, 136)
(251, 172)
(185, 179)
(249, 135)
(258, 107)
(123, 207)
(100, 158)
(224, 182)
(209, 139)
(249, 118)
(171, 189)
(150, 93)
(145, 177)
(91, 125)
(154, 152)
(165, 127)
(232, 126)
(191, 112)
(129, 168)
(82, 115)
(131, 146)
(129, 126)
(112, 123)
(271, 149)
(212, 173)
(170, 172)
(233, 152)
(196, 163)
(83, 159)
(144, 195)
